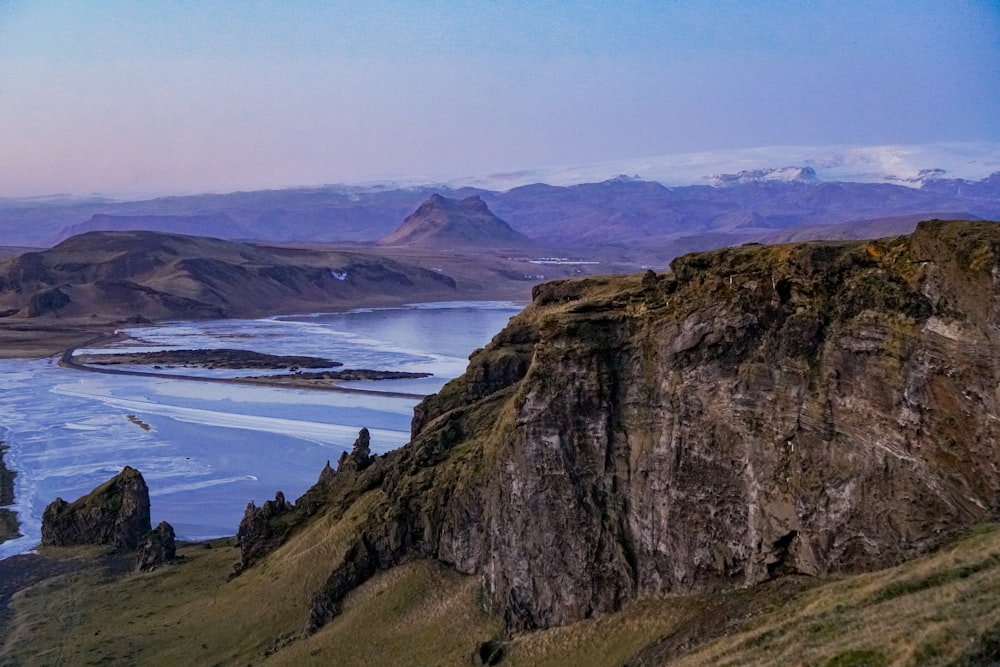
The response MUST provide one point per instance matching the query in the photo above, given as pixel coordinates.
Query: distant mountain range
(907, 164)
(640, 218)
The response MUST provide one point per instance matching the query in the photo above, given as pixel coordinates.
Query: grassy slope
(180, 614)
(931, 611)
(420, 613)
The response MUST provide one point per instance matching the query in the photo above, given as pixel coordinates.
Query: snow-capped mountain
(902, 164)
(782, 174)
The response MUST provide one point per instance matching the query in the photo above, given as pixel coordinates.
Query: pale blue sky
(125, 97)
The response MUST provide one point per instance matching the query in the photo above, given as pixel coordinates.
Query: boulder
(115, 513)
(156, 548)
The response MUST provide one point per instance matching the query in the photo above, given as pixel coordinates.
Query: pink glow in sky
(191, 97)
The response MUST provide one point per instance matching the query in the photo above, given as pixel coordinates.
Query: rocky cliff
(115, 513)
(761, 410)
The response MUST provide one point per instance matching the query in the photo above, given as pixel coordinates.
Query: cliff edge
(762, 410)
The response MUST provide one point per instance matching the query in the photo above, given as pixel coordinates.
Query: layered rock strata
(761, 410)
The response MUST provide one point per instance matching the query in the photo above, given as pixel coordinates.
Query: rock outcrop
(48, 301)
(9, 524)
(762, 410)
(265, 528)
(115, 513)
(262, 529)
(156, 548)
(360, 456)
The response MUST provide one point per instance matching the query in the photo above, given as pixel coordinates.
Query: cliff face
(762, 410)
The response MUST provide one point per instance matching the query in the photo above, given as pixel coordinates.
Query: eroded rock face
(115, 513)
(360, 456)
(762, 410)
(262, 529)
(156, 548)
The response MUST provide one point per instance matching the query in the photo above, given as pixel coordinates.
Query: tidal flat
(206, 450)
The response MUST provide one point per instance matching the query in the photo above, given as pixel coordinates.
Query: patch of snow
(903, 164)
(783, 174)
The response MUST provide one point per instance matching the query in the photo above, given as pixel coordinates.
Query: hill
(456, 224)
(638, 469)
(219, 225)
(644, 221)
(153, 276)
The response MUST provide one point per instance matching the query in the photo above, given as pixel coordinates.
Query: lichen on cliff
(760, 410)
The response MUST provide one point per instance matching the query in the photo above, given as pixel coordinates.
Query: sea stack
(115, 513)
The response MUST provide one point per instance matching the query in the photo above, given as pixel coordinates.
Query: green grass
(941, 609)
(185, 613)
(420, 613)
(856, 658)
(909, 586)
(929, 611)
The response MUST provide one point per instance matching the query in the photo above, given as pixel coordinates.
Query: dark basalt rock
(491, 652)
(115, 513)
(360, 456)
(262, 530)
(764, 411)
(360, 563)
(9, 524)
(156, 548)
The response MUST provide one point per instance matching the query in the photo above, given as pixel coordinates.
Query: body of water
(206, 450)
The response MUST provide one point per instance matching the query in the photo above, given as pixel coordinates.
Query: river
(207, 449)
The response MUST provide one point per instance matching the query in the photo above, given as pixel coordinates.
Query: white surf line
(317, 432)
(71, 451)
(196, 486)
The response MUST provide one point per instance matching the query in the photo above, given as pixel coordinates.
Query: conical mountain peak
(441, 222)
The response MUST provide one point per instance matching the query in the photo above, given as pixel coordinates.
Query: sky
(185, 97)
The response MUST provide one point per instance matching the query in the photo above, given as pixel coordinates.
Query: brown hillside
(449, 223)
(158, 276)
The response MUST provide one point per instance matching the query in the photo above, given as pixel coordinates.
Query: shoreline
(99, 334)
(43, 338)
(41, 341)
(305, 381)
(10, 527)
(66, 361)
